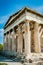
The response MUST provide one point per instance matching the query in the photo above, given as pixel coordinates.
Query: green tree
(1, 47)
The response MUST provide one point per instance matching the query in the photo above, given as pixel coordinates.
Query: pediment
(19, 13)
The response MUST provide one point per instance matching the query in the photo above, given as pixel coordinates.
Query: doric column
(39, 41)
(6, 38)
(4, 46)
(27, 37)
(36, 38)
(9, 41)
(13, 40)
(19, 40)
(41, 37)
(32, 36)
(13, 45)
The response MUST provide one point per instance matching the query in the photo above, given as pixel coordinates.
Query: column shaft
(27, 38)
(13, 41)
(19, 40)
(9, 41)
(4, 46)
(36, 38)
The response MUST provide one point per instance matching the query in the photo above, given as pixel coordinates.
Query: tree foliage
(1, 47)
(3, 64)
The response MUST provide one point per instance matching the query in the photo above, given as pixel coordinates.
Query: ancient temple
(23, 32)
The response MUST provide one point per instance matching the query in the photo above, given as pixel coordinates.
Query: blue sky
(8, 7)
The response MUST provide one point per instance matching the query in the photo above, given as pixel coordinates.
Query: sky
(9, 7)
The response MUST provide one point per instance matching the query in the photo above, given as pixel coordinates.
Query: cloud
(39, 9)
(1, 35)
(3, 20)
(1, 30)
